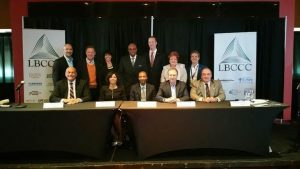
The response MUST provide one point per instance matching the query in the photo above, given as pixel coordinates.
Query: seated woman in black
(114, 91)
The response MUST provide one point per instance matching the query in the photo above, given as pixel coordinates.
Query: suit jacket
(188, 71)
(59, 68)
(154, 72)
(129, 73)
(84, 74)
(135, 92)
(182, 75)
(61, 91)
(165, 91)
(198, 90)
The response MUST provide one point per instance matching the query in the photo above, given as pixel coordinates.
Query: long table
(208, 125)
(79, 128)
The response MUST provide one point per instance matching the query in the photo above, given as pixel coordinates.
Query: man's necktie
(207, 90)
(132, 61)
(143, 94)
(71, 91)
(152, 58)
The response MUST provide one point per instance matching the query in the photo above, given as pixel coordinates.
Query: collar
(154, 51)
(143, 85)
(74, 81)
(173, 84)
(68, 58)
(90, 62)
(133, 56)
(195, 67)
(207, 83)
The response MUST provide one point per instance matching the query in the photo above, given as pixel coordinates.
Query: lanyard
(196, 70)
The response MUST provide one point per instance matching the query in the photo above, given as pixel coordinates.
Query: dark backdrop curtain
(105, 34)
(182, 35)
(185, 35)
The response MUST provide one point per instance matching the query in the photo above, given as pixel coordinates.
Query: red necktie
(152, 58)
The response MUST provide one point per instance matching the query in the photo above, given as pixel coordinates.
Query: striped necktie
(71, 91)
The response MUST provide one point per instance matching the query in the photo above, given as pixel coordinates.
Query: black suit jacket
(61, 91)
(165, 91)
(135, 92)
(59, 68)
(129, 73)
(154, 72)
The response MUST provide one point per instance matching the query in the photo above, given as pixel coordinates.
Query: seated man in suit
(206, 89)
(172, 90)
(71, 90)
(142, 91)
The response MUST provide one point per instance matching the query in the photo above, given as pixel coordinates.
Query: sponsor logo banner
(40, 48)
(235, 63)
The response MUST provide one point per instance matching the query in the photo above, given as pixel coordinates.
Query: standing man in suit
(91, 72)
(172, 90)
(142, 91)
(70, 90)
(194, 69)
(155, 61)
(61, 64)
(130, 66)
(206, 89)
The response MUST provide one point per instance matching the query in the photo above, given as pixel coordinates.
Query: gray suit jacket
(198, 90)
(61, 91)
(165, 91)
(135, 92)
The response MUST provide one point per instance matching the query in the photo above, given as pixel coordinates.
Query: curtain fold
(180, 34)
(6, 67)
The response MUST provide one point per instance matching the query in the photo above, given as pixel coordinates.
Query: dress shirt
(154, 53)
(194, 72)
(69, 61)
(132, 59)
(91, 62)
(173, 90)
(143, 92)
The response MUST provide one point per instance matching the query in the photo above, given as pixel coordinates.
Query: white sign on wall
(235, 63)
(40, 48)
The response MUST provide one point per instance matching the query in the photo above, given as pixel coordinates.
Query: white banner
(40, 48)
(235, 64)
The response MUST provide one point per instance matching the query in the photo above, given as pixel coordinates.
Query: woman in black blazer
(114, 91)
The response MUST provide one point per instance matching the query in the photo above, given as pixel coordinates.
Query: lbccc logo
(43, 54)
(235, 67)
(234, 58)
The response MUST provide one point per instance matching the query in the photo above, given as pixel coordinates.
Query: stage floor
(283, 156)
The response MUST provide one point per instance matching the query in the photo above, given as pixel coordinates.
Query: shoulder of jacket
(181, 65)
